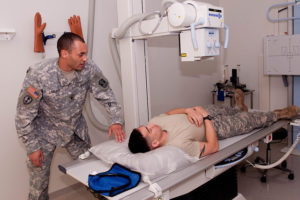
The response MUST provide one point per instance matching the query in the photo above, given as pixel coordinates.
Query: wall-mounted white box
(282, 55)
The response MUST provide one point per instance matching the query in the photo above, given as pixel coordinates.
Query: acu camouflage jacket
(50, 106)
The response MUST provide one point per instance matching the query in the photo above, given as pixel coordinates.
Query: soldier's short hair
(137, 143)
(65, 41)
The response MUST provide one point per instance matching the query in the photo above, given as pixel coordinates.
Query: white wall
(17, 55)
(176, 84)
(248, 25)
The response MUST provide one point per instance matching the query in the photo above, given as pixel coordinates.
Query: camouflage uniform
(49, 114)
(229, 122)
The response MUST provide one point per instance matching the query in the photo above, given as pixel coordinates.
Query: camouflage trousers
(229, 122)
(39, 176)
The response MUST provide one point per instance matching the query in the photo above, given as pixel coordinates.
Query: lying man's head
(146, 138)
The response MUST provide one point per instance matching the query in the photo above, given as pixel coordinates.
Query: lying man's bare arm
(193, 115)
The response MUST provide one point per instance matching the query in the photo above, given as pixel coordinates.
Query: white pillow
(155, 163)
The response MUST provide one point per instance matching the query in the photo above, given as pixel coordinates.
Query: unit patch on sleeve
(33, 92)
(103, 83)
(99, 81)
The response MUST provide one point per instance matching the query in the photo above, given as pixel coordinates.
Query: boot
(239, 100)
(287, 113)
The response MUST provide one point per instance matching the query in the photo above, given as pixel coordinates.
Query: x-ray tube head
(189, 12)
(180, 15)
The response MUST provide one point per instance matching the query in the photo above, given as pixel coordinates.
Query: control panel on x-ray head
(204, 20)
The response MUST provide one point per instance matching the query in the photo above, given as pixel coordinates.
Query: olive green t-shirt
(181, 132)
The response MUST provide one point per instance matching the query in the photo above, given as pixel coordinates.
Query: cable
(115, 55)
(121, 31)
(90, 114)
(147, 16)
(226, 36)
(280, 160)
(193, 32)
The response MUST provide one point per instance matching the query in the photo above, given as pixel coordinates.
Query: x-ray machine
(183, 19)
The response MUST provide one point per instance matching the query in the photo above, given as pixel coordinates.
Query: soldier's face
(153, 134)
(77, 56)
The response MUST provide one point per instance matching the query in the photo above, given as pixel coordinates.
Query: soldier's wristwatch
(208, 117)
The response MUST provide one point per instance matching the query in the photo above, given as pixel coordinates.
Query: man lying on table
(196, 130)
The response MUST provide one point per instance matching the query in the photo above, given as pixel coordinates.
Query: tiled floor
(277, 187)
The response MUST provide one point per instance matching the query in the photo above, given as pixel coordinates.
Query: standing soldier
(49, 110)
